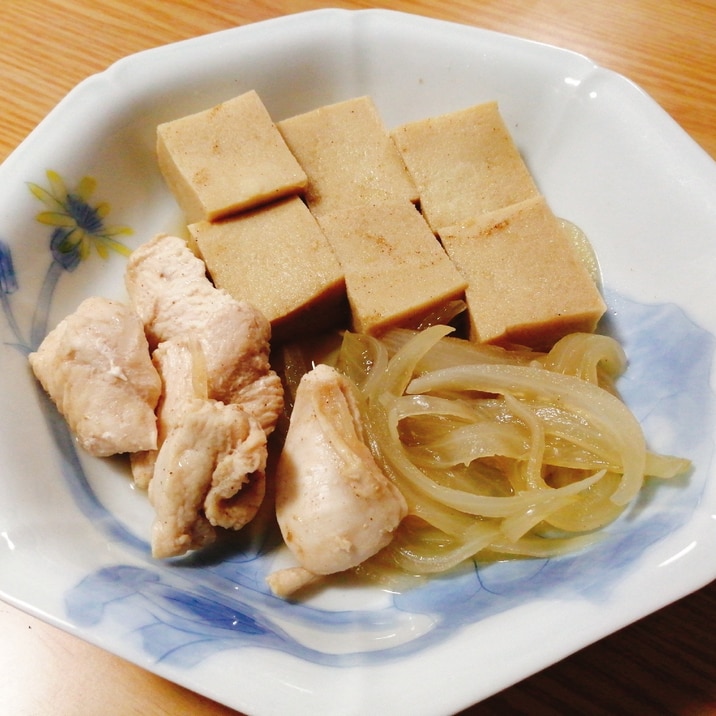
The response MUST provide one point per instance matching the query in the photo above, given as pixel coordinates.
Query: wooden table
(666, 663)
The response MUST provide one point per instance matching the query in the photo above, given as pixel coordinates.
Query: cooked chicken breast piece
(286, 582)
(181, 365)
(334, 505)
(169, 289)
(209, 472)
(96, 367)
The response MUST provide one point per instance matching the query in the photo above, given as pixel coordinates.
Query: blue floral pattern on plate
(182, 612)
(77, 227)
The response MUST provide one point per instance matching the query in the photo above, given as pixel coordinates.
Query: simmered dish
(388, 333)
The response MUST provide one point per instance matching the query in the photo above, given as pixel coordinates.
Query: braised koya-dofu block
(526, 282)
(464, 163)
(226, 159)
(348, 156)
(276, 258)
(395, 269)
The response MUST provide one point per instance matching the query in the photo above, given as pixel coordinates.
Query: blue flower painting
(77, 226)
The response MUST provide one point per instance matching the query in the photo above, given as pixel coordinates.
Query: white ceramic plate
(73, 531)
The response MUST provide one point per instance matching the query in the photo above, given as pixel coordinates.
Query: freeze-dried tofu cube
(226, 159)
(348, 156)
(464, 163)
(396, 271)
(526, 282)
(277, 258)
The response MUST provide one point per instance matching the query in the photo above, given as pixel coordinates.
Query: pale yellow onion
(585, 355)
(592, 508)
(407, 406)
(401, 366)
(583, 246)
(394, 453)
(472, 429)
(451, 351)
(518, 524)
(489, 477)
(443, 314)
(543, 547)
(665, 466)
(478, 441)
(531, 472)
(419, 558)
(448, 519)
(584, 428)
(572, 440)
(599, 407)
(363, 359)
(438, 505)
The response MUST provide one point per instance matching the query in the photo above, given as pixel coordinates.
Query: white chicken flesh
(181, 380)
(181, 365)
(334, 505)
(170, 291)
(209, 472)
(96, 367)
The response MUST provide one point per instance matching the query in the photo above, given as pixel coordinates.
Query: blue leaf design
(64, 252)
(8, 279)
(8, 285)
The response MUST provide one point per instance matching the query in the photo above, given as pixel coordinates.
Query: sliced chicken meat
(334, 505)
(169, 289)
(181, 364)
(96, 367)
(209, 472)
(286, 582)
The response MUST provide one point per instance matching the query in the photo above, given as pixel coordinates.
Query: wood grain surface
(664, 664)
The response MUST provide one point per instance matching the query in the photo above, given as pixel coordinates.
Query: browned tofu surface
(348, 155)
(396, 271)
(464, 164)
(526, 282)
(276, 258)
(226, 159)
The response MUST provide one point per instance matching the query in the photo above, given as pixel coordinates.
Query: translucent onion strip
(606, 413)
(585, 355)
(433, 554)
(498, 452)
